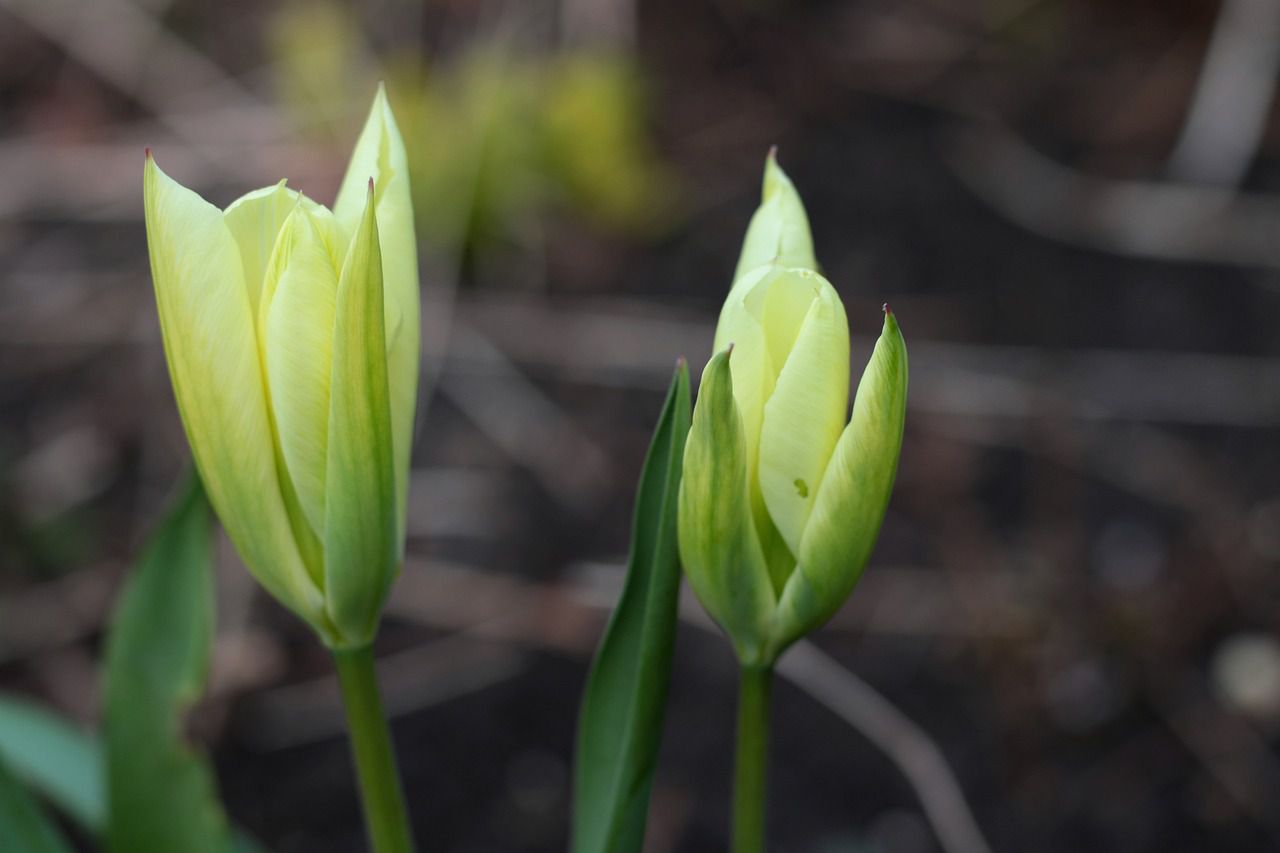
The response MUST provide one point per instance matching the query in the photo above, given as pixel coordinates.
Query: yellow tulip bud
(782, 496)
(291, 333)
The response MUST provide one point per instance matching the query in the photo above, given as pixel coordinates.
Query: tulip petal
(752, 365)
(855, 491)
(754, 375)
(297, 328)
(718, 545)
(806, 413)
(360, 532)
(208, 332)
(254, 220)
(779, 229)
(379, 154)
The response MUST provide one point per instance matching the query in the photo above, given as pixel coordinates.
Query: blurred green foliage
(161, 794)
(55, 759)
(496, 137)
(23, 825)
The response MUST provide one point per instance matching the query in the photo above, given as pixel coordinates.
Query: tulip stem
(749, 774)
(386, 820)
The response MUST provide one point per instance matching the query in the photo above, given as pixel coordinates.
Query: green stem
(386, 820)
(749, 774)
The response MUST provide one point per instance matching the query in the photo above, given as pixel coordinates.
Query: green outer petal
(779, 229)
(297, 343)
(855, 491)
(718, 545)
(806, 413)
(208, 332)
(379, 154)
(360, 535)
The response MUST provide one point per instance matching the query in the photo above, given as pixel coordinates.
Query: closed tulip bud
(782, 493)
(291, 333)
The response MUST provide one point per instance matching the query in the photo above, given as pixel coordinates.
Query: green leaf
(63, 764)
(161, 793)
(23, 825)
(58, 760)
(620, 726)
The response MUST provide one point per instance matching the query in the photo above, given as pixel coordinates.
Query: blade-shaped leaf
(64, 765)
(23, 824)
(620, 726)
(56, 759)
(161, 793)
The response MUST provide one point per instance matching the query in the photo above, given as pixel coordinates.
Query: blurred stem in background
(386, 820)
(753, 746)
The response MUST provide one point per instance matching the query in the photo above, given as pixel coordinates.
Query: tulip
(291, 334)
(780, 497)
(782, 494)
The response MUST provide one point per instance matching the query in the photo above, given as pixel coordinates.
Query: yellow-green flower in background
(782, 494)
(291, 333)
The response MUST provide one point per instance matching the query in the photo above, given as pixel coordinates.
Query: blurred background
(1067, 637)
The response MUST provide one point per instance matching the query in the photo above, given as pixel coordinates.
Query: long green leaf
(54, 758)
(23, 825)
(620, 727)
(161, 794)
(63, 764)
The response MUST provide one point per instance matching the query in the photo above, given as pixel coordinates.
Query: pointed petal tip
(370, 185)
(681, 363)
(773, 152)
(728, 353)
(146, 152)
(891, 321)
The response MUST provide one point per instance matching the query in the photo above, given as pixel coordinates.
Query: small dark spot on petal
(802, 488)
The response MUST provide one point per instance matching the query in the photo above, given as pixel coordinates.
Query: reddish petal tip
(773, 151)
(887, 309)
(147, 152)
(680, 362)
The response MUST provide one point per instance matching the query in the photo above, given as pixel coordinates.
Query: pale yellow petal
(208, 330)
(254, 220)
(806, 412)
(779, 229)
(783, 306)
(297, 335)
(754, 375)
